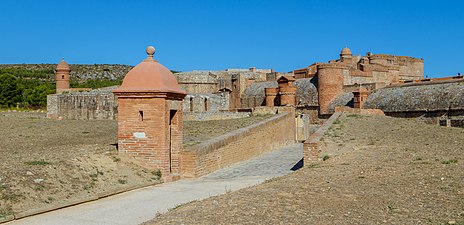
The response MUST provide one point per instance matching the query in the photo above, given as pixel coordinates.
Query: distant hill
(27, 85)
(79, 72)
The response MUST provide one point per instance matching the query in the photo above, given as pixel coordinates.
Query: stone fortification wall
(211, 81)
(198, 81)
(368, 86)
(238, 145)
(354, 70)
(102, 104)
(220, 115)
(409, 68)
(97, 104)
(206, 102)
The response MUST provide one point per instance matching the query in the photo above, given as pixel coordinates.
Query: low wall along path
(238, 145)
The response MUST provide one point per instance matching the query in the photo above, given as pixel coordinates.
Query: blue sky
(207, 34)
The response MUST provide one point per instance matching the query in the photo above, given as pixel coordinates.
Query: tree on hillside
(37, 96)
(10, 90)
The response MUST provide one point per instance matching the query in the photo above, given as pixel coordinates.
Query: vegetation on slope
(27, 85)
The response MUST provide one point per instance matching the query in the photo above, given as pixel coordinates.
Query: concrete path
(135, 207)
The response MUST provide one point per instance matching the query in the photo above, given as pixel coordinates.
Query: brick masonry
(311, 146)
(238, 145)
(330, 85)
(150, 131)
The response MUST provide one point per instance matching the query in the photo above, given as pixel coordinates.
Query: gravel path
(273, 164)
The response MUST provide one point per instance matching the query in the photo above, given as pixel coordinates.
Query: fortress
(243, 89)
(152, 102)
(315, 91)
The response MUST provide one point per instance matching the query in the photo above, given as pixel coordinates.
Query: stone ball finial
(150, 51)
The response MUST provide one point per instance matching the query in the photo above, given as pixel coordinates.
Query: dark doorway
(172, 114)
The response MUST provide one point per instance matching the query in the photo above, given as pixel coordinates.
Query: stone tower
(150, 117)
(345, 55)
(62, 76)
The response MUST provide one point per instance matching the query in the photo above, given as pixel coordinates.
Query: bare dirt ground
(46, 162)
(378, 170)
(199, 131)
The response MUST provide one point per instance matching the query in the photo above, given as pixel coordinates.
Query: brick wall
(311, 146)
(238, 145)
(150, 130)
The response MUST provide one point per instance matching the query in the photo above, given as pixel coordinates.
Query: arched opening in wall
(191, 104)
(206, 104)
(62, 77)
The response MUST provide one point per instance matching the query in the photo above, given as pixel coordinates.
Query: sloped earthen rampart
(433, 101)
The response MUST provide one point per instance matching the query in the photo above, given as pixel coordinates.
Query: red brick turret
(286, 90)
(360, 96)
(150, 116)
(271, 96)
(62, 76)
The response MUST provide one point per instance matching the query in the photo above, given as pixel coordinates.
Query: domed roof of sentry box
(149, 76)
(63, 65)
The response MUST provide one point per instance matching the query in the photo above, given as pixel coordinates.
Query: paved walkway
(135, 207)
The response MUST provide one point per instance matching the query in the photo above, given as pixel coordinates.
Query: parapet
(334, 65)
(386, 56)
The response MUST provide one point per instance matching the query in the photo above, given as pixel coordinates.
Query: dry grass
(381, 170)
(45, 161)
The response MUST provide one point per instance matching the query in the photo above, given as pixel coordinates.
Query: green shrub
(41, 162)
(10, 90)
(326, 157)
(450, 161)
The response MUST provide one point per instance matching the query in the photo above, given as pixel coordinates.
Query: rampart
(432, 101)
(238, 145)
(219, 115)
(102, 104)
(97, 104)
